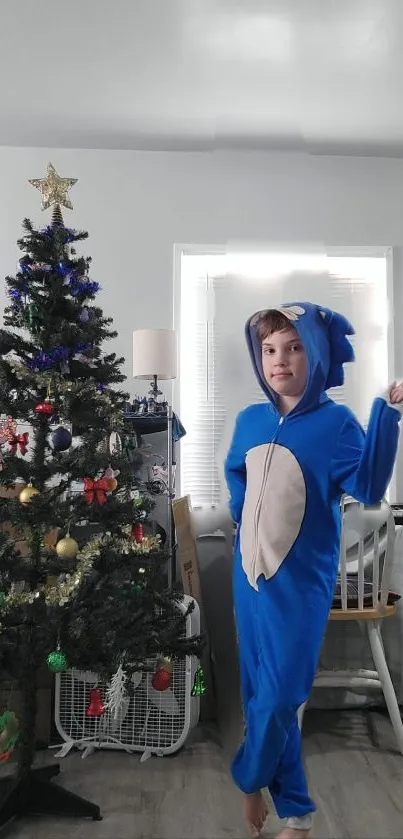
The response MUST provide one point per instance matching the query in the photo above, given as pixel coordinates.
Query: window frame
(386, 252)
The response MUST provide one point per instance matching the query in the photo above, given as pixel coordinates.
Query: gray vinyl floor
(355, 774)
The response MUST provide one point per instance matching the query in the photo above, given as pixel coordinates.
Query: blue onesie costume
(286, 476)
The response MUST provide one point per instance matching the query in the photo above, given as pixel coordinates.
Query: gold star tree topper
(54, 189)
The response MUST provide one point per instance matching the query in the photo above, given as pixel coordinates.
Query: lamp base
(154, 391)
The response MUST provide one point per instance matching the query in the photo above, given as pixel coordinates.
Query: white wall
(136, 205)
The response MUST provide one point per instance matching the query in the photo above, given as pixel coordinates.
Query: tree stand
(36, 795)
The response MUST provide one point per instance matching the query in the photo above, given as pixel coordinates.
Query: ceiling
(314, 75)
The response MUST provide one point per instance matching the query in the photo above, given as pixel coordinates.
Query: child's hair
(270, 322)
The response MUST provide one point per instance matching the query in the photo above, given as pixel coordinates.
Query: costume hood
(324, 336)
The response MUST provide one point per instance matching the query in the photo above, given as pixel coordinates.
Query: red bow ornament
(21, 441)
(95, 489)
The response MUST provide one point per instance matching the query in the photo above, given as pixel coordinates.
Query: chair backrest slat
(376, 570)
(343, 565)
(361, 577)
(366, 554)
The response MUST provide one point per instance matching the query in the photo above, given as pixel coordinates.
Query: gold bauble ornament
(27, 494)
(167, 664)
(113, 484)
(67, 548)
(54, 189)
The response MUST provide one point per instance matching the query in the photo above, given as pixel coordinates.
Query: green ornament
(199, 686)
(57, 662)
(2, 598)
(8, 734)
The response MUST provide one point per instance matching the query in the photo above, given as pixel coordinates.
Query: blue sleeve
(235, 473)
(362, 463)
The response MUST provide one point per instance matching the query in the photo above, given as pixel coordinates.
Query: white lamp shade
(155, 353)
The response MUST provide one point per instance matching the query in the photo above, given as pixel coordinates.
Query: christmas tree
(91, 596)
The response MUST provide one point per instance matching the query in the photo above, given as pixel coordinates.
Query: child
(289, 463)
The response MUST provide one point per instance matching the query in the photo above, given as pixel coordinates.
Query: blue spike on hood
(324, 336)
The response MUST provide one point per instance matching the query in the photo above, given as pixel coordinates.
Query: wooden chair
(363, 595)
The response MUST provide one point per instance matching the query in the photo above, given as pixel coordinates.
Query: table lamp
(155, 356)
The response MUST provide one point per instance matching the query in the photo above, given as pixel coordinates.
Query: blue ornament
(44, 361)
(82, 286)
(61, 439)
(15, 294)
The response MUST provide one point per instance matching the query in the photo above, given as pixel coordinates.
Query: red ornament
(45, 407)
(137, 532)
(21, 441)
(95, 489)
(161, 680)
(96, 707)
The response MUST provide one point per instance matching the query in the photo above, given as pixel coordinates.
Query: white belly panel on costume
(273, 510)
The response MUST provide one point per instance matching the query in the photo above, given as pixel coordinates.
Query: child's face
(285, 364)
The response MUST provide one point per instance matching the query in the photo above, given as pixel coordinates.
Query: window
(218, 292)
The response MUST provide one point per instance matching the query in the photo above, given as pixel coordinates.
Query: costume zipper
(266, 470)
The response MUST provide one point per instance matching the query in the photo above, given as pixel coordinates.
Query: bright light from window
(218, 292)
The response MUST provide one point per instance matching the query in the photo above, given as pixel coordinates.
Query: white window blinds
(218, 294)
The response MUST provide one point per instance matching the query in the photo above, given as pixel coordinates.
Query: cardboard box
(186, 552)
(187, 549)
(206, 563)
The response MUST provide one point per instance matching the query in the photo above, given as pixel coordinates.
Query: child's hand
(396, 393)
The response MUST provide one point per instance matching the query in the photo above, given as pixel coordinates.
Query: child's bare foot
(255, 812)
(293, 833)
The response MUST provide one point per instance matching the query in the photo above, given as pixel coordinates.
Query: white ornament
(116, 693)
(119, 719)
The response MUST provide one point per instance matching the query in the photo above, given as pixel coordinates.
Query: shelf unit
(161, 424)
